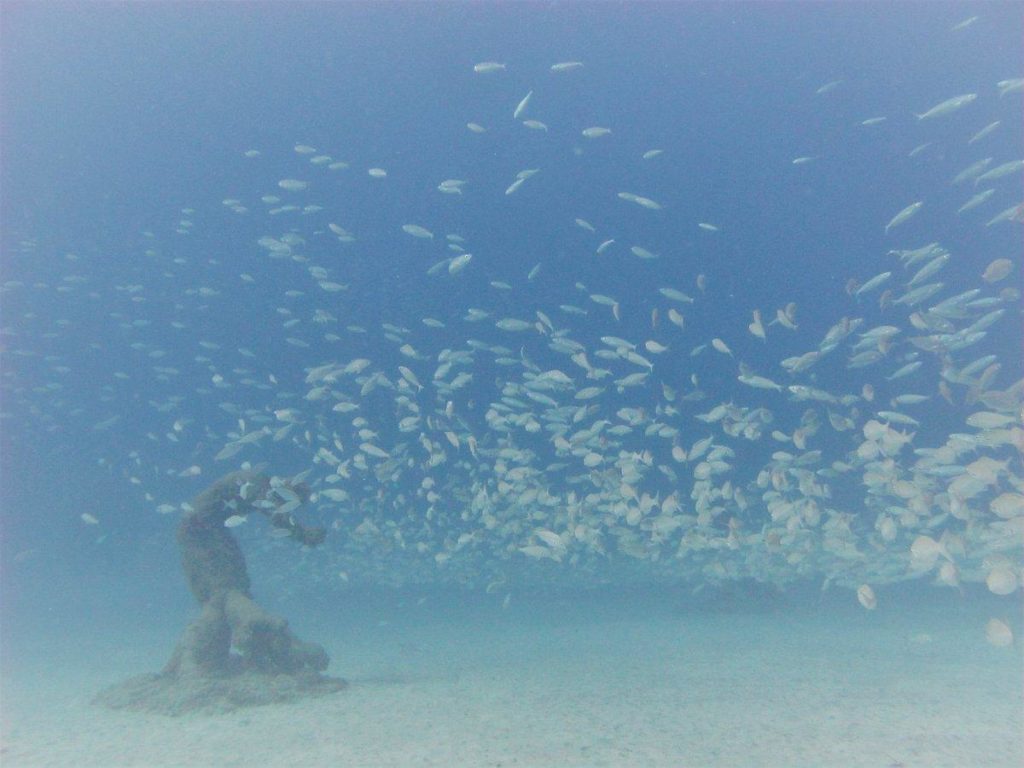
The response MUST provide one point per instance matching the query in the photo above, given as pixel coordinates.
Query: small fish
(759, 382)
(513, 324)
(906, 370)
(521, 107)
(1014, 213)
(964, 24)
(873, 283)
(1001, 580)
(866, 597)
(1006, 169)
(1010, 86)
(975, 201)
(459, 263)
(756, 327)
(997, 270)
(903, 215)
(485, 67)
(984, 132)
(948, 106)
(417, 231)
(645, 202)
(972, 171)
(998, 633)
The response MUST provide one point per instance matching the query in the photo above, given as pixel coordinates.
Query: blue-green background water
(118, 117)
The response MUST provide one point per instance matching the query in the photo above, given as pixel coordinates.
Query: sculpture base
(174, 696)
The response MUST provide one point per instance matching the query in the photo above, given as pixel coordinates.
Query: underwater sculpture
(235, 654)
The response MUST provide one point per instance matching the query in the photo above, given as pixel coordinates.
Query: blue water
(125, 127)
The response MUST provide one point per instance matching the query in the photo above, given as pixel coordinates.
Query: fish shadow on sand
(742, 597)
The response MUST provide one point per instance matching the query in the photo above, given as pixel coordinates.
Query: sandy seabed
(564, 685)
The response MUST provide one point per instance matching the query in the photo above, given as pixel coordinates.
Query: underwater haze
(594, 384)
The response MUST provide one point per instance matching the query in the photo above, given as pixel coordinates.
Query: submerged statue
(235, 654)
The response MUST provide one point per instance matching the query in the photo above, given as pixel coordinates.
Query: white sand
(551, 686)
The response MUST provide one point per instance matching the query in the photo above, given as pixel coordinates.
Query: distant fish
(948, 106)
(873, 283)
(904, 215)
(984, 132)
(486, 67)
(1011, 168)
(997, 270)
(1010, 86)
(417, 231)
(975, 201)
(644, 202)
(866, 597)
(964, 24)
(998, 633)
(521, 107)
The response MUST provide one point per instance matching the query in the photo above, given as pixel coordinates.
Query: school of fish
(563, 442)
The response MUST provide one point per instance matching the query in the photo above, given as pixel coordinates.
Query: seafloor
(597, 679)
